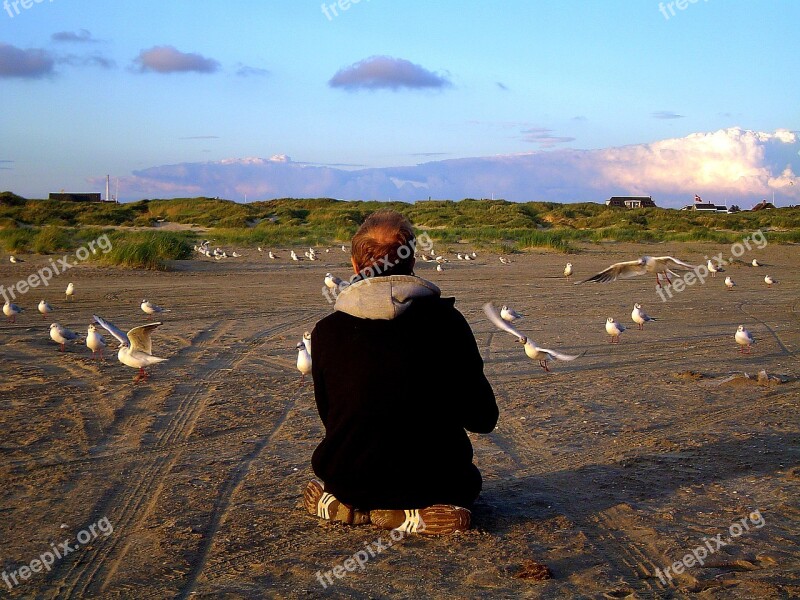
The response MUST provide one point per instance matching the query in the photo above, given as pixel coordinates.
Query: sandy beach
(607, 470)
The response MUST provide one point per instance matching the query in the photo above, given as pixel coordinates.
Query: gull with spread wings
(660, 265)
(136, 348)
(531, 349)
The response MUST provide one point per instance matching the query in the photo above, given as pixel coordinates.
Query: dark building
(631, 202)
(63, 196)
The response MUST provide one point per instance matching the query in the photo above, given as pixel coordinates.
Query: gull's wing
(499, 322)
(140, 337)
(629, 268)
(672, 263)
(559, 355)
(121, 336)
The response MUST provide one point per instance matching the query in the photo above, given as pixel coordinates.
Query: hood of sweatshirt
(384, 297)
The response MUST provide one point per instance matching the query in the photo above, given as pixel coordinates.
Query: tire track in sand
(140, 494)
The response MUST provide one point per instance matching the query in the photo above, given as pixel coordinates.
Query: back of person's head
(384, 245)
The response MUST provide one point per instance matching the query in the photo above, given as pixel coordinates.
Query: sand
(598, 474)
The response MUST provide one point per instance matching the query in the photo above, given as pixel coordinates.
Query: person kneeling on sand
(398, 378)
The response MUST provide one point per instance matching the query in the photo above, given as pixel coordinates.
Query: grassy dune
(46, 226)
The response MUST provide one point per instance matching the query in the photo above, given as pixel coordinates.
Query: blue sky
(555, 100)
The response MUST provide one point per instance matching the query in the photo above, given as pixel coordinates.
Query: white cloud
(734, 165)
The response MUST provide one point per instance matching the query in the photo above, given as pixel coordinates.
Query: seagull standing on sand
(440, 268)
(568, 270)
(744, 339)
(272, 255)
(45, 308)
(543, 355)
(660, 265)
(294, 256)
(303, 360)
(95, 341)
(62, 335)
(70, 291)
(11, 311)
(614, 329)
(639, 316)
(332, 282)
(714, 269)
(504, 260)
(729, 283)
(509, 315)
(14, 259)
(136, 347)
(151, 309)
(755, 263)
(769, 280)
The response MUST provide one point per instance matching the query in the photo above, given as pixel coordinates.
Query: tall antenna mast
(108, 181)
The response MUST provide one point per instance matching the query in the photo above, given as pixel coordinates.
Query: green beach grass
(48, 226)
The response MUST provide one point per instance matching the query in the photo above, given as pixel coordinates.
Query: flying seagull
(531, 349)
(660, 265)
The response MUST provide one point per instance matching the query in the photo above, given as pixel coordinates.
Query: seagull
(614, 329)
(509, 315)
(45, 308)
(344, 248)
(272, 255)
(294, 256)
(136, 349)
(568, 270)
(332, 282)
(769, 280)
(303, 361)
(474, 256)
(505, 260)
(11, 311)
(62, 335)
(531, 349)
(729, 282)
(744, 339)
(639, 316)
(70, 291)
(151, 308)
(755, 263)
(714, 269)
(14, 259)
(660, 265)
(95, 341)
(440, 268)
(236, 254)
(459, 256)
(260, 249)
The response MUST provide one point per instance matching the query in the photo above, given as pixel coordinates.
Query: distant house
(631, 202)
(763, 205)
(67, 197)
(707, 207)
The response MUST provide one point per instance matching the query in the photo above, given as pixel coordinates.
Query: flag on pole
(697, 198)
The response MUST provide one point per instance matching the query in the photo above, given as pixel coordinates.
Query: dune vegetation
(48, 226)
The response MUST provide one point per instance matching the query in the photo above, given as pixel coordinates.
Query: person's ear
(355, 266)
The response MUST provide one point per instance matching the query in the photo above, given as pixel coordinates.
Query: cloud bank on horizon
(735, 165)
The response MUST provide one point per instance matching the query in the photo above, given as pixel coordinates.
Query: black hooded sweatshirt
(398, 378)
